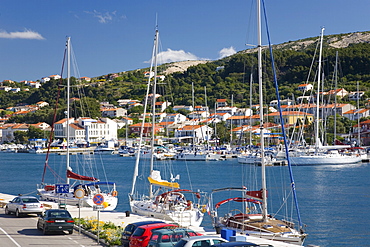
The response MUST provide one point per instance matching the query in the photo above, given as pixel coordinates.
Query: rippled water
(333, 200)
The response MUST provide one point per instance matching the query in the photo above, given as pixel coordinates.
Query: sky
(117, 35)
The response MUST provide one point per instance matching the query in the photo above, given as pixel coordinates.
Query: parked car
(142, 234)
(22, 205)
(130, 228)
(240, 244)
(200, 241)
(170, 237)
(55, 220)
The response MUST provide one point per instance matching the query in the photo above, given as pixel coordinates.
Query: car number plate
(59, 220)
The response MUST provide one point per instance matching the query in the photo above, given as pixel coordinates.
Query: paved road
(22, 231)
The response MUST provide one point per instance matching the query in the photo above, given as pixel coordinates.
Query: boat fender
(114, 193)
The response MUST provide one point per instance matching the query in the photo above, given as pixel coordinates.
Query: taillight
(50, 221)
(41, 205)
(24, 206)
(70, 221)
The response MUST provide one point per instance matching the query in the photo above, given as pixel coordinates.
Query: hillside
(293, 61)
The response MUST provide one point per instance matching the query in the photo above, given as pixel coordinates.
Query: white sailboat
(253, 218)
(165, 199)
(79, 192)
(322, 155)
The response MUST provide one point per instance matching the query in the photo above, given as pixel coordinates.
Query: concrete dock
(123, 219)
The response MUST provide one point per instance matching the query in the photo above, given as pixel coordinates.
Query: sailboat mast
(335, 98)
(153, 109)
(317, 141)
(263, 165)
(68, 103)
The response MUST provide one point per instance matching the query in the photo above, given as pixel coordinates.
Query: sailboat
(82, 191)
(322, 155)
(253, 218)
(165, 199)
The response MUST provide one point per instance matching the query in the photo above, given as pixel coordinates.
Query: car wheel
(17, 213)
(7, 210)
(70, 231)
(38, 226)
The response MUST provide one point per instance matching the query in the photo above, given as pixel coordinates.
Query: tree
(20, 137)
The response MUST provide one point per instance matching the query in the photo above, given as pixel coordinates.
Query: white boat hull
(180, 215)
(324, 160)
(70, 199)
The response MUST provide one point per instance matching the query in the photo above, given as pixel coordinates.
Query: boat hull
(324, 160)
(70, 199)
(183, 217)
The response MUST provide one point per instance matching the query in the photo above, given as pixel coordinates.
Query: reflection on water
(333, 199)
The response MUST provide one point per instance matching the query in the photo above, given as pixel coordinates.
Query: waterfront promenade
(123, 219)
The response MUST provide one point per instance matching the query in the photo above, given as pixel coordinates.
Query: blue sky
(117, 35)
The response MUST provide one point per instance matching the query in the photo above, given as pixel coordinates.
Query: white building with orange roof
(221, 103)
(198, 115)
(222, 116)
(305, 87)
(174, 118)
(356, 114)
(85, 78)
(113, 112)
(242, 120)
(198, 133)
(55, 77)
(86, 129)
(8, 130)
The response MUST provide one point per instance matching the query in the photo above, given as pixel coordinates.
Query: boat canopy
(237, 199)
(76, 176)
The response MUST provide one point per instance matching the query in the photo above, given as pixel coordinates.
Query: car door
(13, 204)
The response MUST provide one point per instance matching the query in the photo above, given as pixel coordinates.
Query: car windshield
(30, 200)
(138, 232)
(58, 214)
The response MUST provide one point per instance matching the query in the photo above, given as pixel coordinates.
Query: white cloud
(103, 17)
(175, 56)
(225, 52)
(27, 34)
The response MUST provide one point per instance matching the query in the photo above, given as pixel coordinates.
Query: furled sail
(76, 176)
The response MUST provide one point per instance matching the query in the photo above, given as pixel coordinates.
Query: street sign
(61, 188)
(79, 193)
(98, 207)
(98, 199)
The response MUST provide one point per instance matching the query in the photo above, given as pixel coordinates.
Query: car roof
(172, 230)
(27, 197)
(56, 210)
(155, 225)
(235, 243)
(203, 237)
(149, 222)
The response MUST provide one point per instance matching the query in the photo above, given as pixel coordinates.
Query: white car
(21, 205)
(200, 241)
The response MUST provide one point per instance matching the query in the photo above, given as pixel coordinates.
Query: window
(202, 243)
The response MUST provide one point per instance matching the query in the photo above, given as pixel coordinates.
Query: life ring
(114, 193)
(49, 187)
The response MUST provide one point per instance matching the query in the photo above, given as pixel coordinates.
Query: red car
(142, 234)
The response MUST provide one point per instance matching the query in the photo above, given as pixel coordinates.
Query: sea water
(333, 200)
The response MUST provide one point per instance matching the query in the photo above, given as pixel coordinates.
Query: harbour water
(333, 200)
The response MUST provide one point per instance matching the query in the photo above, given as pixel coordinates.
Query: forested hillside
(228, 78)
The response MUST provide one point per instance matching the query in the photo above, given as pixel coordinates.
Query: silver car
(22, 205)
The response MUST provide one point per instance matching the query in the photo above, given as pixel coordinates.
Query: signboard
(98, 207)
(98, 199)
(79, 193)
(61, 188)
